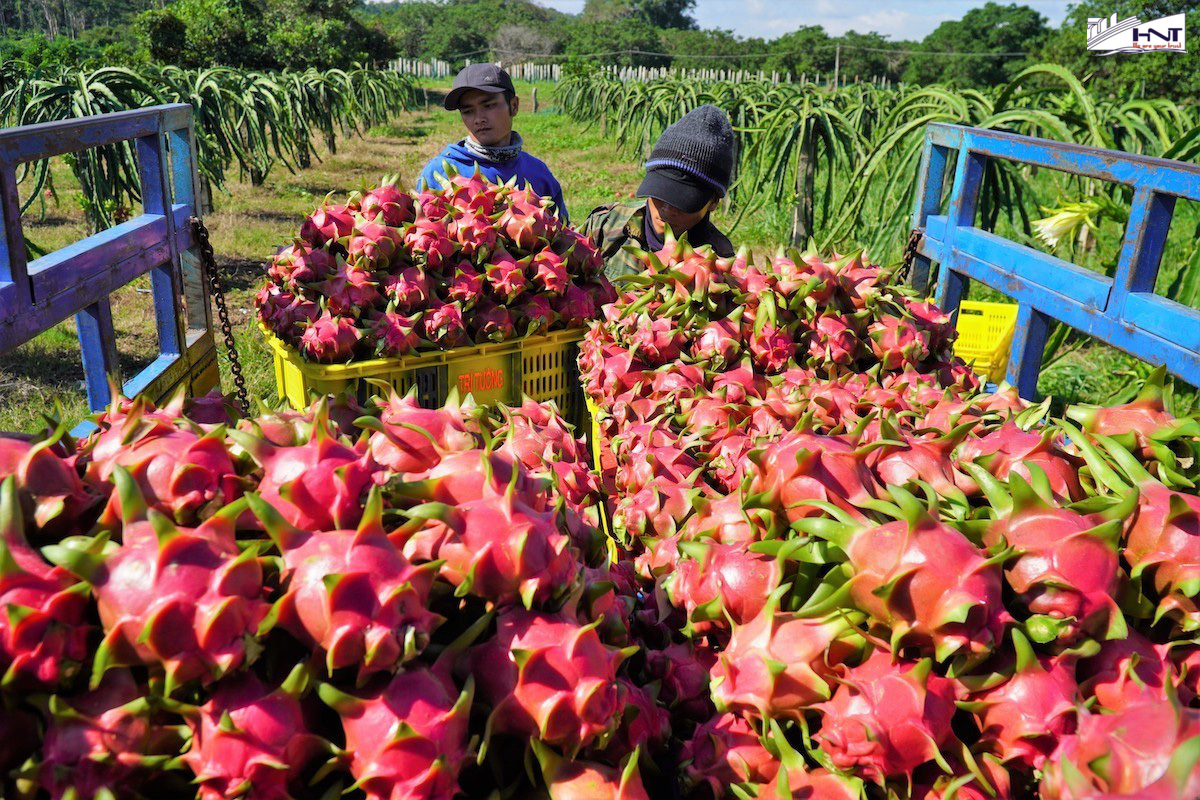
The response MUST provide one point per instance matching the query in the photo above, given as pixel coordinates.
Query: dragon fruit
(528, 220)
(443, 324)
(96, 743)
(1023, 719)
(466, 287)
(349, 288)
(921, 578)
(327, 224)
(536, 314)
(185, 601)
(351, 592)
(301, 263)
(43, 636)
(719, 343)
(581, 254)
(49, 489)
(429, 240)
(251, 737)
(492, 323)
(547, 676)
(1010, 449)
(330, 339)
(897, 342)
(395, 334)
(390, 202)
(726, 750)
(407, 739)
(474, 233)
(410, 289)
(506, 275)
(833, 341)
(373, 245)
(584, 780)
(575, 308)
(772, 348)
(886, 719)
(719, 585)
(549, 272)
(1125, 671)
(410, 439)
(779, 663)
(318, 485)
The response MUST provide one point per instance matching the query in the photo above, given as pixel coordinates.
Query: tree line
(986, 47)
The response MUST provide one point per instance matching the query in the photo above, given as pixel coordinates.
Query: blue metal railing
(1122, 311)
(78, 279)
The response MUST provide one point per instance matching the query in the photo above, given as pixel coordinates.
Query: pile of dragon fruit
(389, 602)
(866, 577)
(390, 272)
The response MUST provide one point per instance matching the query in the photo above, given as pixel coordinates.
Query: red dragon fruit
(348, 288)
(351, 592)
(780, 663)
(582, 256)
(443, 324)
(96, 743)
(389, 201)
(719, 343)
(50, 491)
(1008, 448)
(683, 672)
(933, 321)
(575, 308)
(656, 340)
(1145, 426)
(318, 485)
(1125, 671)
(587, 780)
(897, 341)
(536, 314)
(251, 738)
(719, 585)
(492, 323)
(1024, 717)
(921, 578)
(833, 341)
(185, 601)
(412, 439)
(506, 275)
(328, 223)
(300, 263)
(887, 718)
(772, 348)
(475, 233)
(410, 289)
(430, 243)
(408, 739)
(473, 192)
(528, 220)
(330, 339)
(43, 637)
(548, 676)
(373, 245)
(549, 272)
(394, 334)
(465, 287)
(726, 750)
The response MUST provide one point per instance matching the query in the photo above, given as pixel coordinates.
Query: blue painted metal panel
(78, 279)
(1123, 311)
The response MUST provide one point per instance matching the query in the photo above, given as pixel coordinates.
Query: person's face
(487, 117)
(663, 214)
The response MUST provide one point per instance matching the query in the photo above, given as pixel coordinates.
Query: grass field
(251, 222)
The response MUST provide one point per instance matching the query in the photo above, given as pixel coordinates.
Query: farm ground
(250, 222)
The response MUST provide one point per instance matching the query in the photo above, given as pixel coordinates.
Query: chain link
(910, 254)
(209, 264)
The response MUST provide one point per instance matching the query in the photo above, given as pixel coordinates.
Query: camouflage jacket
(614, 225)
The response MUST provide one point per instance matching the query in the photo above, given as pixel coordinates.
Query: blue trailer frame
(1122, 311)
(78, 279)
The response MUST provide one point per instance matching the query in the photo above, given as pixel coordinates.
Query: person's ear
(514, 106)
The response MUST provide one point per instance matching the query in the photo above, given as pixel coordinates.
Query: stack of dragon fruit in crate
(871, 578)
(389, 272)
(837, 568)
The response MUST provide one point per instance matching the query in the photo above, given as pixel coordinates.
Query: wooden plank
(1057, 275)
(165, 278)
(1163, 317)
(78, 263)
(98, 346)
(1142, 247)
(13, 270)
(48, 139)
(964, 198)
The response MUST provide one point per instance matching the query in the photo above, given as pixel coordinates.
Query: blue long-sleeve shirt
(529, 170)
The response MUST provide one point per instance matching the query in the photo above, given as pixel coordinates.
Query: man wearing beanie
(484, 97)
(687, 175)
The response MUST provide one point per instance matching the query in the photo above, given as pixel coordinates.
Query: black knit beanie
(700, 144)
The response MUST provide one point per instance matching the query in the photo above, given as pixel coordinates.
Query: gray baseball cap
(484, 77)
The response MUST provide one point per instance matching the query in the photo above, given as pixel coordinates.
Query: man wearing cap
(484, 97)
(687, 175)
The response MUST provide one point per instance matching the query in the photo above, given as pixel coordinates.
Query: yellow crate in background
(542, 367)
(985, 332)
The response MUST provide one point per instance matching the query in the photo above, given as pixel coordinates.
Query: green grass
(251, 222)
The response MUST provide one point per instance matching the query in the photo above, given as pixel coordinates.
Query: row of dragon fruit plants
(837, 569)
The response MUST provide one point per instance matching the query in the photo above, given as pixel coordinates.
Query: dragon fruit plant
(389, 272)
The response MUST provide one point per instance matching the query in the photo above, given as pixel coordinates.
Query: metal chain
(209, 264)
(910, 254)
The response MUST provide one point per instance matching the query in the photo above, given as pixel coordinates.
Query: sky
(899, 19)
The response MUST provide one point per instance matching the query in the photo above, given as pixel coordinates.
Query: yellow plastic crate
(985, 332)
(542, 367)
